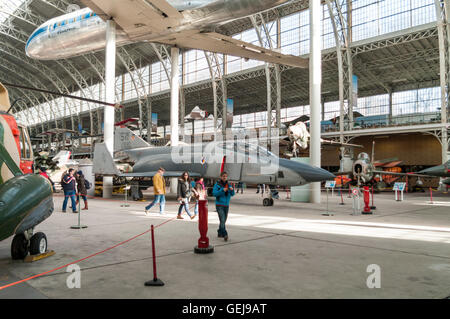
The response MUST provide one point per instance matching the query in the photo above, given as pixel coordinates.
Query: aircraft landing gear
(268, 201)
(25, 243)
(19, 247)
(38, 244)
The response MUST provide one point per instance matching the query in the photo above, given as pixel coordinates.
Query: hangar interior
(394, 56)
(385, 68)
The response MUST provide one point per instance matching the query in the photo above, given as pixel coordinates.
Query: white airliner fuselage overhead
(185, 24)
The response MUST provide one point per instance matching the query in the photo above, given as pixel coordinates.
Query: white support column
(174, 106)
(315, 81)
(442, 7)
(110, 83)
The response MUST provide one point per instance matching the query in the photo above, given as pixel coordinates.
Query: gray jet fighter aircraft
(243, 161)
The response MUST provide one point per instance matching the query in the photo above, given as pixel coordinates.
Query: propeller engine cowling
(363, 168)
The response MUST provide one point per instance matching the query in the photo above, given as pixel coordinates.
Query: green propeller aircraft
(26, 200)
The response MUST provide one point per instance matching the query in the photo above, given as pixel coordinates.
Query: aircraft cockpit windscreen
(247, 149)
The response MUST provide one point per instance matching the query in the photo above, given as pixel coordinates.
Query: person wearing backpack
(82, 186)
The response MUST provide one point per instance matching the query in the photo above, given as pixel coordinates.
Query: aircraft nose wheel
(267, 202)
(38, 244)
(19, 247)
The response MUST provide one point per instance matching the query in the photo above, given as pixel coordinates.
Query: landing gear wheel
(19, 247)
(266, 202)
(271, 202)
(38, 244)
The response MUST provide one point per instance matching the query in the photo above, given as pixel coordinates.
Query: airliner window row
(72, 20)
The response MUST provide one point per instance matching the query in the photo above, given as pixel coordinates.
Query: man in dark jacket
(223, 193)
(81, 187)
(68, 184)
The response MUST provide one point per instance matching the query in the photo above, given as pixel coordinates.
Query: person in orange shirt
(159, 188)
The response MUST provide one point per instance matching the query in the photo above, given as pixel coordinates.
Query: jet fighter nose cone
(317, 174)
(434, 171)
(308, 172)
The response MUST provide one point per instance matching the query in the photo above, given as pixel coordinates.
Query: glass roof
(7, 8)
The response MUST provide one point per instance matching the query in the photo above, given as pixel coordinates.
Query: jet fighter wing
(342, 173)
(141, 20)
(339, 144)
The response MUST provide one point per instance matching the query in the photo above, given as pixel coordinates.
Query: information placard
(399, 187)
(330, 184)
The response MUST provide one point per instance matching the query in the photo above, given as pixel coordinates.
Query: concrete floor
(287, 251)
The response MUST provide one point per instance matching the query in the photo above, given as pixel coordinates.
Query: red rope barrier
(82, 259)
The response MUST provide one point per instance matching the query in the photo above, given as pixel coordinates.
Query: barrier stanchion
(328, 185)
(431, 195)
(203, 246)
(328, 212)
(349, 192)
(342, 197)
(155, 281)
(366, 210)
(373, 206)
(79, 226)
(127, 187)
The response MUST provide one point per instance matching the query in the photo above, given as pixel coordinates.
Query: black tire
(19, 247)
(271, 202)
(266, 202)
(38, 244)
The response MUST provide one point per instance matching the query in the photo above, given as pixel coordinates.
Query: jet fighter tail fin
(103, 161)
(125, 139)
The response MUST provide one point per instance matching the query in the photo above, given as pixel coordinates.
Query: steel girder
(216, 64)
(273, 72)
(30, 97)
(66, 65)
(41, 69)
(124, 57)
(31, 79)
(342, 35)
(443, 19)
(13, 96)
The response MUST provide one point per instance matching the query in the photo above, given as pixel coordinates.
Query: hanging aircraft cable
(115, 105)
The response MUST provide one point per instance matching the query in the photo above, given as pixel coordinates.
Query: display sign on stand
(399, 187)
(328, 185)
